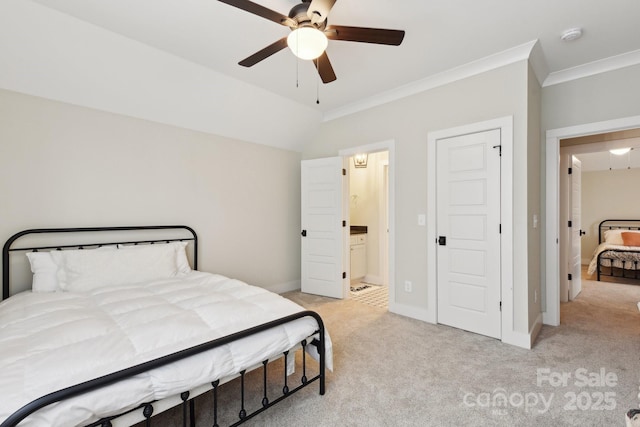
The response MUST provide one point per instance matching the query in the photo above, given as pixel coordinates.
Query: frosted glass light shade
(620, 151)
(307, 42)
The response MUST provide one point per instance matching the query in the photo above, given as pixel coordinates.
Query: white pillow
(85, 270)
(614, 237)
(182, 262)
(44, 272)
(181, 257)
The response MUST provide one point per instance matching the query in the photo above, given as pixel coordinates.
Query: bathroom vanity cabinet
(358, 256)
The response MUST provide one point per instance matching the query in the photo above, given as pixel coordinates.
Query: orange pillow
(631, 238)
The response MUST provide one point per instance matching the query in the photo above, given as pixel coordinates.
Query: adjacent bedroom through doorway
(608, 212)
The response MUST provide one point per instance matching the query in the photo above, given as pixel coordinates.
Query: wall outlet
(408, 287)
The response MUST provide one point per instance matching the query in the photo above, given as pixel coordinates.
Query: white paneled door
(468, 227)
(575, 259)
(322, 227)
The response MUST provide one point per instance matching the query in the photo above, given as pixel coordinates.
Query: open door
(575, 208)
(322, 228)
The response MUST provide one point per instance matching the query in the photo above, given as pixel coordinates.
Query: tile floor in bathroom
(374, 295)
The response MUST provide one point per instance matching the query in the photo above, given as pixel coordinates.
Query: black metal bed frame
(188, 405)
(617, 224)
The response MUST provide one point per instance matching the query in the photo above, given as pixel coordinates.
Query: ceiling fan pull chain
(297, 61)
(318, 84)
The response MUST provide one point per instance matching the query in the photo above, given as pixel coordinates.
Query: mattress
(53, 340)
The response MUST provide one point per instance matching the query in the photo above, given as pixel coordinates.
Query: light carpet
(391, 370)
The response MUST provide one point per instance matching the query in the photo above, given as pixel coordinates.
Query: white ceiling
(440, 35)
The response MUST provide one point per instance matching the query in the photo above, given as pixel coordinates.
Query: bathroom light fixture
(620, 151)
(360, 160)
(571, 34)
(307, 42)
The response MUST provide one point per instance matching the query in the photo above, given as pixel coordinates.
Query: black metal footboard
(188, 415)
(630, 266)
(629, 269)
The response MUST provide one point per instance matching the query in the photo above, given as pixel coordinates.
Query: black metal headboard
(617, 224)
(7, 248)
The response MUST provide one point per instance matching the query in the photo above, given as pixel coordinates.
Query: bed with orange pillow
(618, 251)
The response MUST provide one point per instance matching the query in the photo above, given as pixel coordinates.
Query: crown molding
(497, 60)
(592, 68)
(538, 63)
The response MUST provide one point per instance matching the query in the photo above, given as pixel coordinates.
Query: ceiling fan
(310, 33)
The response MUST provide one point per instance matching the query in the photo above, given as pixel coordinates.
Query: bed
(618, 251)
(114, 332)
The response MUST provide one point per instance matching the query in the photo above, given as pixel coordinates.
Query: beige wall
(493, 94)
(63, 165)
(591, 99)
(607, 195)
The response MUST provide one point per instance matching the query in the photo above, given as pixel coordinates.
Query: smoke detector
(571, 34)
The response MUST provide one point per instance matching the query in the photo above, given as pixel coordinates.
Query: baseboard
(280, 288)
(524, 340)
(550, 320)
(535, 329)
(518, 339)
(411, 311)
(374, 280)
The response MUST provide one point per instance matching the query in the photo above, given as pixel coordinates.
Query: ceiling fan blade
(319, 10)
(324, 67)
(264, 53)
(364, 35)
(262, 11)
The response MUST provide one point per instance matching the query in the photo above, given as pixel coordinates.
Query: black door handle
(582, 232)
(442, 240)
(304, 233)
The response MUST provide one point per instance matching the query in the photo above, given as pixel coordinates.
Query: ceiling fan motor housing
(299, 13)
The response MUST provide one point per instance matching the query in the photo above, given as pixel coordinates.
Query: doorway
(610, 178)
(325, 234)
(369, 200)
(369, 228)
(468, 223)
(554, 258)
(504, 126)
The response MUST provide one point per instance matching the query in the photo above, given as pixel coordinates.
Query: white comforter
(49, 341)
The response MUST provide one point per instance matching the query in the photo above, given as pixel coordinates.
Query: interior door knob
(304, 233)
(582, 232)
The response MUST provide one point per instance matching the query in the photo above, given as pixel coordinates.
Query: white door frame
(384, 223)
(551, 314)
(389, 146)
(505, 124)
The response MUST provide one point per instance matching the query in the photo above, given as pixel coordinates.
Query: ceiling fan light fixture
(307, 42)
(620, 151)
